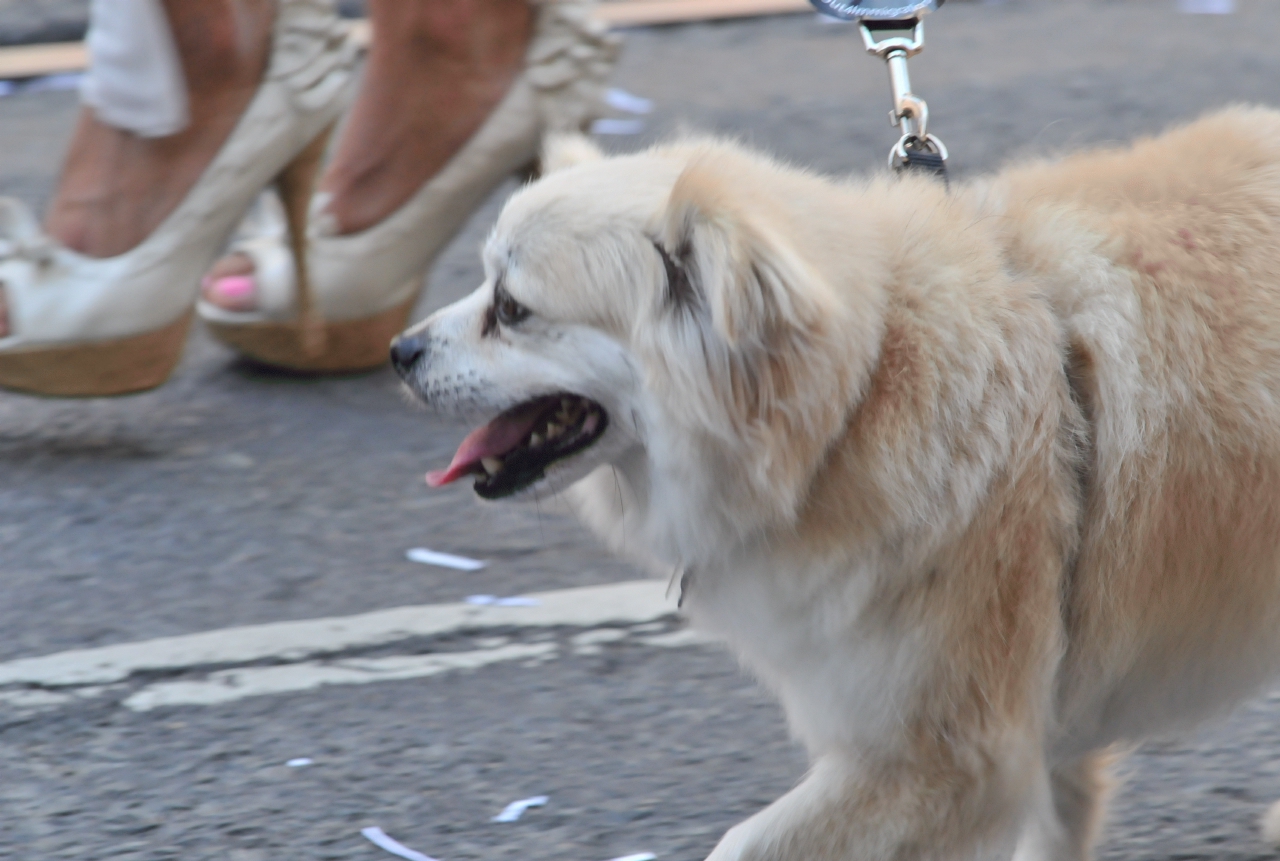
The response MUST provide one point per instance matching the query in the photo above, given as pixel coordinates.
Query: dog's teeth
(535, 440)
(553, 430)
(492, 465)
(592, 422)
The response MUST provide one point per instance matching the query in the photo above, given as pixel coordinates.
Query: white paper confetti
(443, 560)
(299, 762)
(495, 601)
(379, 838)
(608, 126)
(628, 102)
(516, 809)
(1207, 7)
(643, 856)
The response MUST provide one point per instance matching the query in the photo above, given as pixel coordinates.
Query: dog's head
(655, 313)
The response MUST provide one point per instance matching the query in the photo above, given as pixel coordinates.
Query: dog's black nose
(405, 351)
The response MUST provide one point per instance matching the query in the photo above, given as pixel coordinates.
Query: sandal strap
(20, 235)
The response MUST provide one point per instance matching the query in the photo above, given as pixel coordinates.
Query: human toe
(230, 285)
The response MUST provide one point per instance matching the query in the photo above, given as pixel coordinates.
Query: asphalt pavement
(235, 496)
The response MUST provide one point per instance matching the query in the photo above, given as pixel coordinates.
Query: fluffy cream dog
(982, 484)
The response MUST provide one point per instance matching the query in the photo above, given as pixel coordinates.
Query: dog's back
(1163, 262)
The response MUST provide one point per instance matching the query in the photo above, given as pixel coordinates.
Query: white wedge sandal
(336, 308)
(84, 326)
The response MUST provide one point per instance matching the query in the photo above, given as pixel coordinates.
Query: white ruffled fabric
(135, 80)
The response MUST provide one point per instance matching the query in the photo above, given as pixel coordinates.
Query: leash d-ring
(913, 152)
(917, 149)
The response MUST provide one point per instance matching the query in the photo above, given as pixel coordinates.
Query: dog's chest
(796, 625)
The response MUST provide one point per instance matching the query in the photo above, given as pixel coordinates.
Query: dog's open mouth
(514, 450)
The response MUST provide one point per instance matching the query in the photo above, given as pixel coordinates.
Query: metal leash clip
(917, 149)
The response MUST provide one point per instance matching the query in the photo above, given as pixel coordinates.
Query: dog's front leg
(844, 812)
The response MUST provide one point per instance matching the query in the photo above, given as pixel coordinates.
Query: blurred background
(239, 496)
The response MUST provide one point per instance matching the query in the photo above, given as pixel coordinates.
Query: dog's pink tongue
(493, 440)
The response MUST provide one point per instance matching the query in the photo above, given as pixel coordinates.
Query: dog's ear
(754, 335)
(720, 251)
(566, 150)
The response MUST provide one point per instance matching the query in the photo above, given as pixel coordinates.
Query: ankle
(116, 187)
(222, 45)
(466, 30)
(428, 85)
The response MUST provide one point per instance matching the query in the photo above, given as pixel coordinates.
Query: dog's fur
(983, 484)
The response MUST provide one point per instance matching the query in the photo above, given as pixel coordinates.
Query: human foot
(436, 70)
(116, 187)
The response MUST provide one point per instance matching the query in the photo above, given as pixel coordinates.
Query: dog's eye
(508, 311)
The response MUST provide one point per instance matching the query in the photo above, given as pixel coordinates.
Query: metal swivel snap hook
(917, 149)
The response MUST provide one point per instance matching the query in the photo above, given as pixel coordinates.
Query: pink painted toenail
(234, 287)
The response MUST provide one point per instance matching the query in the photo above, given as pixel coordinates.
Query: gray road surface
(235, 495)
